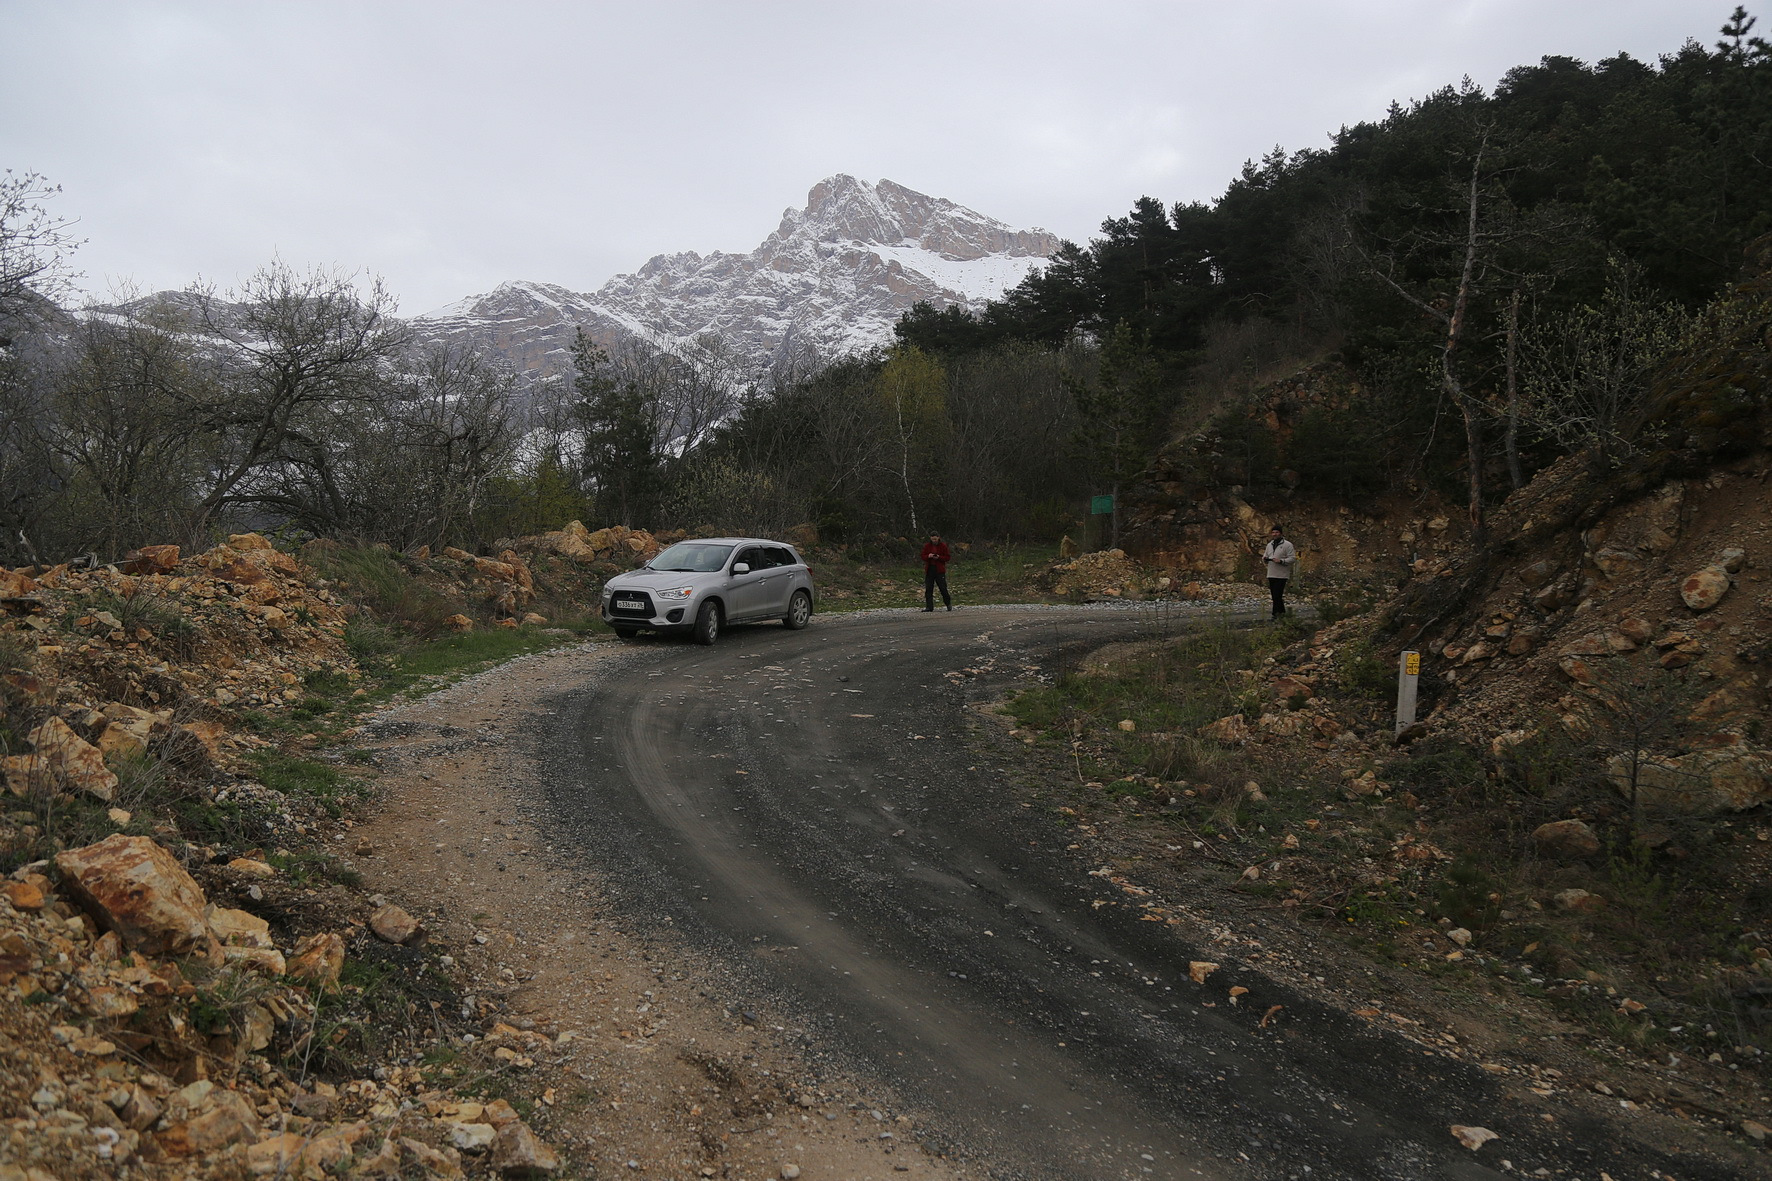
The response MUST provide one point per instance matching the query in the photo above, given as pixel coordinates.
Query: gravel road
(832, 814)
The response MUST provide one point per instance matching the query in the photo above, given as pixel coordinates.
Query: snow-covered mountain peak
(834, 276)
(843, 209)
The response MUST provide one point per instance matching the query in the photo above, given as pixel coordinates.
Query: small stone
(239, 928)
(252, 867)
(1365, 785)
(1481, 650)
(447, 1163)
(519, 1151)
(24, 895)
(790, 1172)
(208, 734)
(139, 890)
(1537, 574)
(1198, 970)
(318, 960)
(1228, 731)
(1578, 900)
(1473, 1138)
(1128, 725)
(1705, 589)
(1756, 1130)
(1568, 839)
(392, 924)
(1460, 936)
(1618, 563)
(228, 1119)
(80, 764)
(471, 1137)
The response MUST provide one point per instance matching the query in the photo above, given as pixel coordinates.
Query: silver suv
(700, 586)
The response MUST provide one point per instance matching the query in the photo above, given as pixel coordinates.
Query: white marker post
(1408, 673)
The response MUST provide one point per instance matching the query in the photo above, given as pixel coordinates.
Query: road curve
(821, 807)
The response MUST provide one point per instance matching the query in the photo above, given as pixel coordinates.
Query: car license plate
(630, 604)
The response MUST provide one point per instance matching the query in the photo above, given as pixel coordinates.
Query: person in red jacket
(935, 572)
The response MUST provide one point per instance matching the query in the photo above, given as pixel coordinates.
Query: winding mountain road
(829, 809)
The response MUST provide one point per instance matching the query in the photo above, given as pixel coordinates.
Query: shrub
(379, 581)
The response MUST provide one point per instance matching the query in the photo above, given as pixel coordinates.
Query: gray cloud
(448, 146)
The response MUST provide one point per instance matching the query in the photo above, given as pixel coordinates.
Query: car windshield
(692, 557)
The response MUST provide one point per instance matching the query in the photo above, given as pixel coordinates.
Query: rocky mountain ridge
(831, 279)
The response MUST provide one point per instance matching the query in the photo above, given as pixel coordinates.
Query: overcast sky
(448, 146)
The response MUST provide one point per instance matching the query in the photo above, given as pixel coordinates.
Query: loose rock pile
(240, 625)
(142, 1025)
(1106, 574)
(617, 544)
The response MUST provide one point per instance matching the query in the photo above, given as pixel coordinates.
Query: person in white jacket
(1280, 555)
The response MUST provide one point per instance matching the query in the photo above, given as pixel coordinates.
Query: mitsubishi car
(700, 586)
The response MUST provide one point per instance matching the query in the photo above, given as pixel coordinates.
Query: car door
(747, 593)
(781, 587)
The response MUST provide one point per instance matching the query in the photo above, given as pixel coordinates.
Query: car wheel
(707, 623)
(799, 610)
(624, 633)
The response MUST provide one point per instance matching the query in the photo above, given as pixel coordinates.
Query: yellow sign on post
(1408, 675)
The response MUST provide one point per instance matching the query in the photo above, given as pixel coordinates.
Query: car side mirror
(741, 567)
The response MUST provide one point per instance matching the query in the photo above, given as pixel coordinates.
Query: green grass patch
(230, 823)
(313, 866)
(460, 655)
(306, 779)
(1166, 689)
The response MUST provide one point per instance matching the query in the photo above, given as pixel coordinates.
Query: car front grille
(644, 611)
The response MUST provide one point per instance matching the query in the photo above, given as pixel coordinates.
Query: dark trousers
(933, 578)
(1277, 588)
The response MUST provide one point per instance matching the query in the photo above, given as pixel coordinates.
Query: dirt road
(824, 809)
(824, 858)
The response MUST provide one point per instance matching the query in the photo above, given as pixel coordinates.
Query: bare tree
(119, 425)
(408, 469)
(293, 344)
(35, 245)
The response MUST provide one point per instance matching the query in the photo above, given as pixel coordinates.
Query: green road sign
(1100, 505)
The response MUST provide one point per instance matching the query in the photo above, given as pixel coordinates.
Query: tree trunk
(904, 462)
(1467, 407)
(1512, 437)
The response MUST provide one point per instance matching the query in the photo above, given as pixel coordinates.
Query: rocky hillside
(832, 278)
(192, 982)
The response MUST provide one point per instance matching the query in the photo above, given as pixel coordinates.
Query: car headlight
(677, 592)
